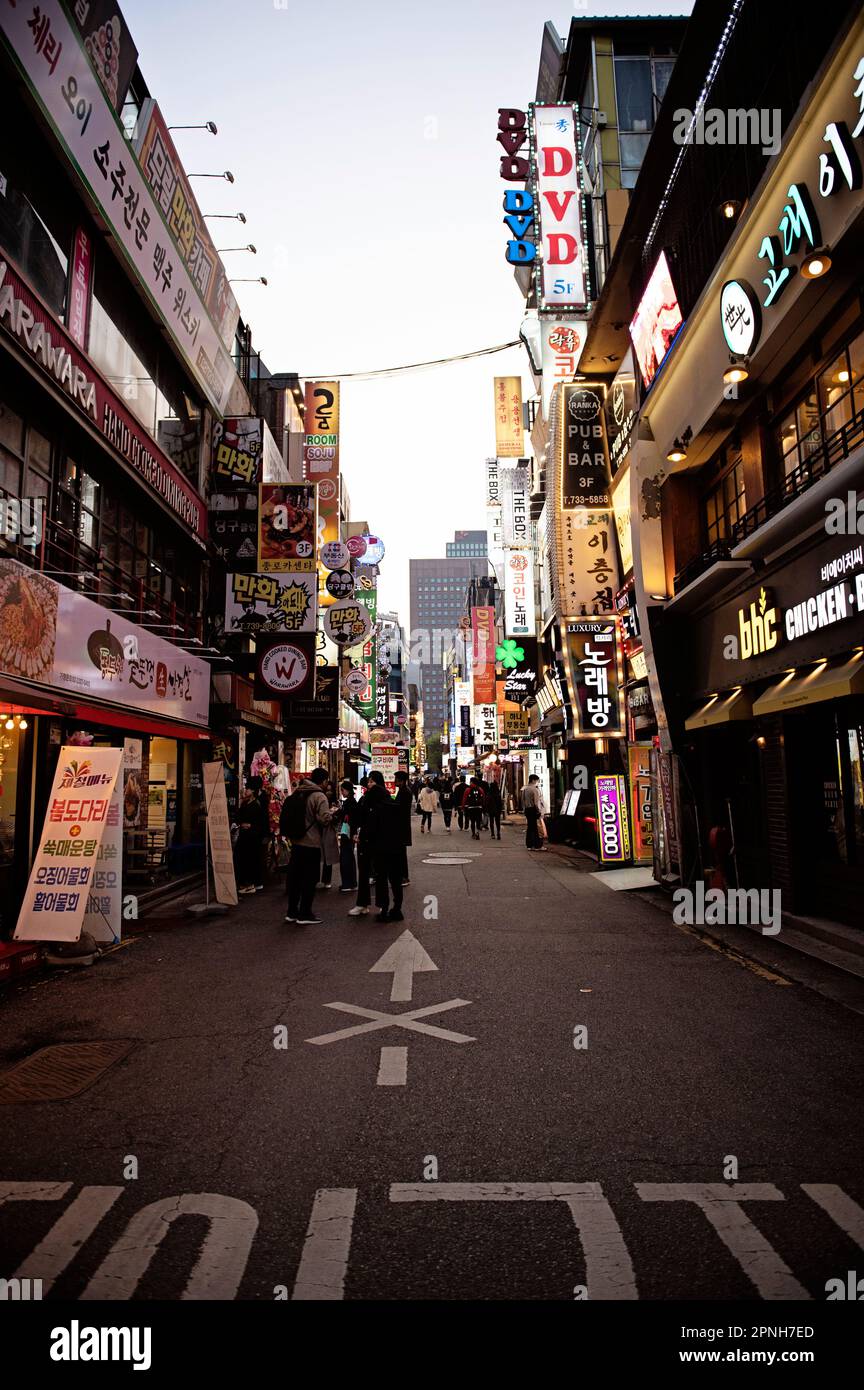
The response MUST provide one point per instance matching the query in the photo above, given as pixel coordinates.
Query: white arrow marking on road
(404, 958)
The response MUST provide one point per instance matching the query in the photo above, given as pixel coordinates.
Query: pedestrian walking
(445, 801)
(474, 804)
(330, 838)
(249, 848)
(405, 802)
(364, 855)
(428, 803)
(385, 831)
(348, 827)
(460, 792)
(532, 805)
(304, 816)
(493, 809)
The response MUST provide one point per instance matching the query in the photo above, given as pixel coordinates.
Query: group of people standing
(477, 804)
(368, 836)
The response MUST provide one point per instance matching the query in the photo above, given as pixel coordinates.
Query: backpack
(294, 821)
(474, 797)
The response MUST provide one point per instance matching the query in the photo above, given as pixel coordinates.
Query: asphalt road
(513, 1165)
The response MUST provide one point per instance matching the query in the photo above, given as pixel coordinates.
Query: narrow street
(499, 1153)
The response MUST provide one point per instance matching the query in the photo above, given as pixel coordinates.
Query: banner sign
(593, 661)
(314, 716)
(520, 614)
(589, 565)
(485, 720)
(621, 411)
(385, 759)
(561, 344)
(51, 57)
(234, 529)
(271, 603)
(170, 187)
(347, 623)
(78, 292)
(583, 452)
(219, 834)
(34, 329)
(367, 704)
(516, 505)
(622, 512)
(103, 918)
(509, 429)
(55, 637)
(612, 828)
(287, 527)
(63, 873)
(238, 452)
(321, 453)
(109, 45)
(641, 813)
(514, 723)
(483, 655)
(493, 484)
(561, 264)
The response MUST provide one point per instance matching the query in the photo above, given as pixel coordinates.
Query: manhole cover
(453, 860)
(60, 1071)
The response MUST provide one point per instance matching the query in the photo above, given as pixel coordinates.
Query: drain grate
(60, 1071)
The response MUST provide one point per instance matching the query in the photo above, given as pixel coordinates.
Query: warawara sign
(74, 104)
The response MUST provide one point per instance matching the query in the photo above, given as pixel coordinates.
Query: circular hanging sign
(335, 555)
(347, 622)
(340, 583)
(285, 668)
(740, 317)
(355, 682)
(584, 406)
(374, 552)
(327, 490)
(356, 546)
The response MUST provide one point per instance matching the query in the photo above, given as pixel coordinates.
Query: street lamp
(261, 280)
(227, 216)
(222, 250)
(227, 175)
(208, 125)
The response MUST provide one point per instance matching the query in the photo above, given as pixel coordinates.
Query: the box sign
(613, 831)
(516, 505)
(593, 660)
(64, 869)
(561, 268)
(33, 328)
(51, 56)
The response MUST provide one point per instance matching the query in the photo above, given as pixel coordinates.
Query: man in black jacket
(382, 826)
(405, 802)
(493, 808)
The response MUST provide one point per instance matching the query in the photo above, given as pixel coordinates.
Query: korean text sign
(612, 828)
(593, 654)
(50, 53)
(64, 869)
(483, 655)
(562, 265)
(509, 432)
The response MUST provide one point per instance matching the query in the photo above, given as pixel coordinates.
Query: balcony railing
(837, 447)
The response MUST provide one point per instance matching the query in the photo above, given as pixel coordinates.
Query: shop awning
(721, 709)
(138, 723)
(823, 683)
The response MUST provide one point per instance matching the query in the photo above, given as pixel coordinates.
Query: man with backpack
(493, 808)
(460, 791)
(305, 814)
(473, 806)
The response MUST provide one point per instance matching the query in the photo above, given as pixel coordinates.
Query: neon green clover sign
(510, 654)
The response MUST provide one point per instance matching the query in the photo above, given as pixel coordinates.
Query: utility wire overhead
(410, 366)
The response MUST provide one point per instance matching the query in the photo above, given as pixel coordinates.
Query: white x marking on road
(407, 1020)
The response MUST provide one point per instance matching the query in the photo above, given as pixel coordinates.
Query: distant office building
(467, 543)
(439, 591)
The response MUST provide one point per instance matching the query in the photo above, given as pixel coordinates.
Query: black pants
(461, 817)
(447, 813)
(426, 820)
(532, 834)
(347, 864)
(388, 873)
(474, 816)
(303, 873)
(246, 858)
(364, 873)
(494, 823)
(403, 862)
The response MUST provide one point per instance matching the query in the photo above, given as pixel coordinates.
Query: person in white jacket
(428, 802)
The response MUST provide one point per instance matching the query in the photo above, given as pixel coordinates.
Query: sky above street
(362, 139)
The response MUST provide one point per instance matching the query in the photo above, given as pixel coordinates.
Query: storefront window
(831, 402)
(9, 740)
(856, 760)
(725, 503)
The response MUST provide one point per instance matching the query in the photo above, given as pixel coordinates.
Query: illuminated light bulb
(22, 723)
(10, 723)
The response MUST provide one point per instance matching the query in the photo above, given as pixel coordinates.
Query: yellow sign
(757, 627)
(514, 723)
(509, 430)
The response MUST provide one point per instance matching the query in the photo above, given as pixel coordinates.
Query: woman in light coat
(428, 802)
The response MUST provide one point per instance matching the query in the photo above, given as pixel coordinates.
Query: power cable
(410, 366)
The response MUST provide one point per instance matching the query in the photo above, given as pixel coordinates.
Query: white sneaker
(246, 891)
(359, 912)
